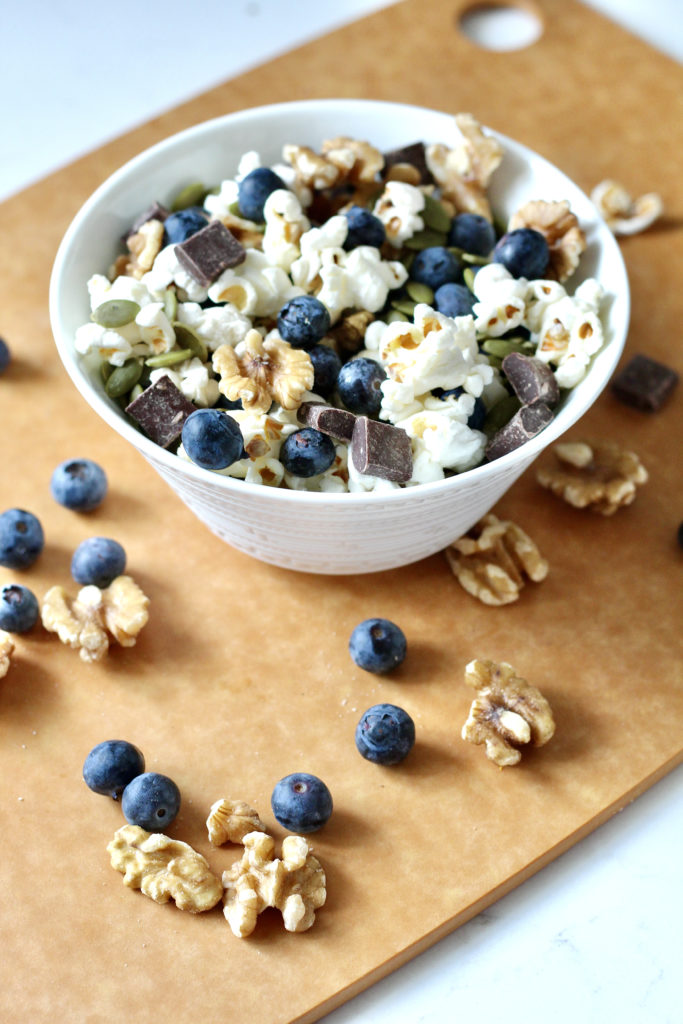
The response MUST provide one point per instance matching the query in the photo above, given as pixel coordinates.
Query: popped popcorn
(218, 339)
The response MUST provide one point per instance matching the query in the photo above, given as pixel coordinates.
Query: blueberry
(18, 608)
(475, 420)
(385, 734)
(307, 452)
(364, 229)
(453, 299)
(111, 765)
(21, 538)
(212, 438)
(5, 355)
(151, 801)
(326, 367)
(303, 321)
(254, 189)
(435, 266)
(377, 645)
(358, 386)
(472, 233)
(301, 802)
(98, 560)
(79, 484)
(524, 252)
(181, 225)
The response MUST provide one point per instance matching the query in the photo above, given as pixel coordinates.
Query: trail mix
(346, 320)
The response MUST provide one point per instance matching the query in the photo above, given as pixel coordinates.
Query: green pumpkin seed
(187, 338)
(420, 292)
(135, 393)
(171, 304)
(406, 306)
(434, 215)
(177, 355)
(394, 315)
(469, 274)
(425, 239)
(479, 261)
(106, 370)
(115, 313)
(501, 347)
(191, 195)
(501, 413)
(123, 378)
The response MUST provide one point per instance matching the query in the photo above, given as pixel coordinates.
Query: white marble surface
(594, 937)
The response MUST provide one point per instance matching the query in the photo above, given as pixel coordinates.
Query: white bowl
(316, 532)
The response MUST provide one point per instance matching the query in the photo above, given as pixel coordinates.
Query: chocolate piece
(338, 423)
(644, 384)
(380, 449)
(160, 411)
(154, 212)
(532, 380)
(210, 251)
(413, 154)
(525, 424)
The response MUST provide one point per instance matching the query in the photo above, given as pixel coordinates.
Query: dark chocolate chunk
(525, 424)
(160, 411)
(154, 212)
(338, 423)
(644, 384)
(532, 380)
(413, 154)
(210, 251)
(380, 449)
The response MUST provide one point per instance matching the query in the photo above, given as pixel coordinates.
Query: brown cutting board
(243, 675)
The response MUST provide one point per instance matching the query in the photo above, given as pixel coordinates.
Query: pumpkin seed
(123, 378)
(479, 261)
(420, 292)
(406, 306)
(115, 313)
(171, 304)
(434, 215)
(106, 370)
(501, 413)
(177, 355)
(191, 195)
(425, 239)
(501, 347)
(468, 275)
(187, 338)
(135, 393)
(394, 315)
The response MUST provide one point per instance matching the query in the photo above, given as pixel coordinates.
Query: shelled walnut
(121, 609)
(599, 475)
(506, 713)
(258, 372)
(229, 821)
(560, 228)
(164, 869)
(492, 560)
(623, 214)
(6, 650)
(295, 884)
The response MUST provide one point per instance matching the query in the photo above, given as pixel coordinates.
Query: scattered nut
(463, 172)
(247, 232)
(143, 248)
(560, 228)
(6, 649)
(358, 161)
(120, 608)
(506, 713)
(295, 885)
(230, 821)
(622, 214)
(598, 475)
(164, 869)
(492, 559)
(258, 371)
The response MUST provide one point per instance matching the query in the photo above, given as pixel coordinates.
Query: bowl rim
(521, 456)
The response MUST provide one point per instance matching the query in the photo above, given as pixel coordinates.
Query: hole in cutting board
(500, 26)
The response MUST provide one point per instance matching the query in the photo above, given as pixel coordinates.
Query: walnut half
(560, 228)
(507, 712)
(6, 650)
(84, 622)
(294, 884)
(492, 560)
(164, 869)
(598, 475)
(229, 821)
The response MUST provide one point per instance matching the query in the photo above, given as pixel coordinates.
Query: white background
(594, 937)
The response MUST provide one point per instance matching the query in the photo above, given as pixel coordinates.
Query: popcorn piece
(167, 270)
(399, 208)
(441, 439)
(492, 560)
(623, 214)
(560, 228)
(215, 326)
(285, 224)
(359, 278)
(191, 377)
(6, 651)
(598, 475)
(164, 869)
(120, 608)
(506, 713)
(259, 371)
(464, 172)
(571, 333)
(256, 287)
(230, 821)
(295, 885)
(156, 331)
(501, 304)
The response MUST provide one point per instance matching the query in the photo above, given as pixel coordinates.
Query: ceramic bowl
(317, 532)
